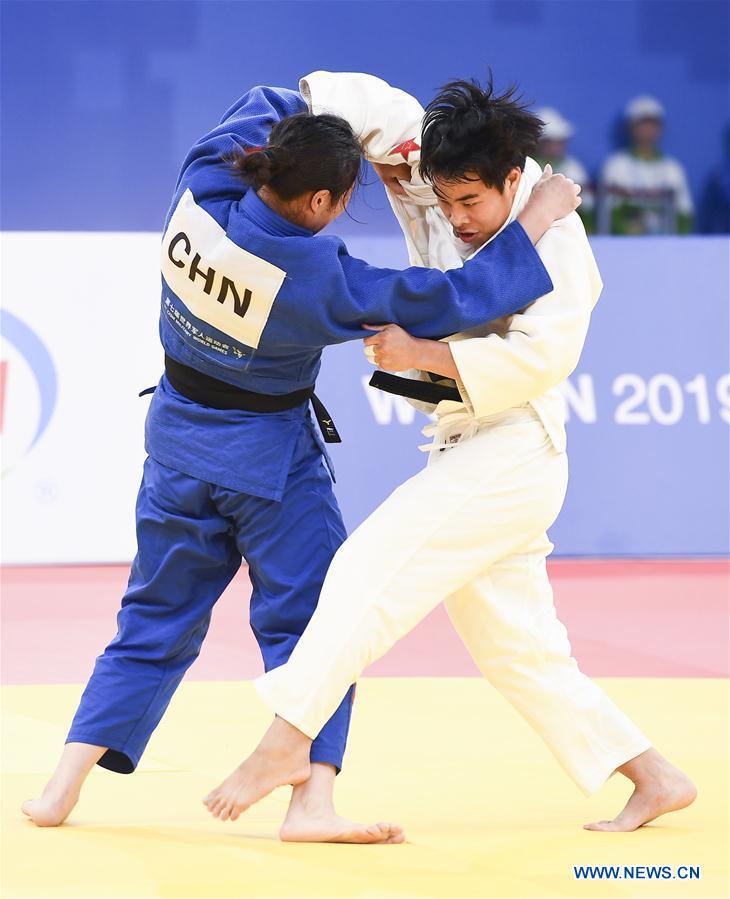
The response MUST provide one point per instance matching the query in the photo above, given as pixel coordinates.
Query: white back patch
(220, 283)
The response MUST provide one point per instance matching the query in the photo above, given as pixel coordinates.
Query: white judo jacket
(508, 363)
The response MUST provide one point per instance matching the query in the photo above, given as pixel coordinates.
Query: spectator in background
(553, 147)
(641, 190)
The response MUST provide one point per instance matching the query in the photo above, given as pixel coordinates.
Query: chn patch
(220, 283)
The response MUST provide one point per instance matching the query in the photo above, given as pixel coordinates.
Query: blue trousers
(191, 536)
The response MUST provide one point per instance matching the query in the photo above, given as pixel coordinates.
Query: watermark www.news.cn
(637, 872)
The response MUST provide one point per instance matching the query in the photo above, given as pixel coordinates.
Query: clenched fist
(392, 348)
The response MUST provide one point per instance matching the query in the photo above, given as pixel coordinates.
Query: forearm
(434, 356)
(535, 221)
(501, 279)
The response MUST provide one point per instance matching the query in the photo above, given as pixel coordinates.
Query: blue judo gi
(250, 299)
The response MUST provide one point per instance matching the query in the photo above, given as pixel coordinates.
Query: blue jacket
(251, 299)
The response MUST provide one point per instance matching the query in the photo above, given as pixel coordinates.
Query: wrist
(535, 222)
(418, 357)
(435, 356)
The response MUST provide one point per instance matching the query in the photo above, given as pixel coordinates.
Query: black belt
(201, 388)
(423, 391)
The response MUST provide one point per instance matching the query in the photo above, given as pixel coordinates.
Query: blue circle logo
(39, 360)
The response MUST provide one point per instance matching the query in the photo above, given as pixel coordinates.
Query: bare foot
(331, 828)
(62, 791)
(311, 816)
(51, 809)
(281, 758)
(661, 789)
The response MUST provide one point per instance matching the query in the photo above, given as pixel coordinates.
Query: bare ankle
(644, 767)
(284, 740)
(316, 795)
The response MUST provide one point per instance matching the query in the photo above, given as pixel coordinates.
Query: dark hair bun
(305, 153)
(261, 166)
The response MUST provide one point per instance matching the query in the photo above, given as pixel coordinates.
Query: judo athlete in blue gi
(236, 467)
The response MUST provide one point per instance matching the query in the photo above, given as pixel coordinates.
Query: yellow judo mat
(487, 811)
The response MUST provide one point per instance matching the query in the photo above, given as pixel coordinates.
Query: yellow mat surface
(487, 811)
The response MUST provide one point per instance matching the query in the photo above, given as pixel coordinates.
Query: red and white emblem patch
(408, 146)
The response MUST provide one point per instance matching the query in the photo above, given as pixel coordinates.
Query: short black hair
(469, 128)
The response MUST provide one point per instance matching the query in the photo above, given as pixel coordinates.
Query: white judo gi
(470, 529)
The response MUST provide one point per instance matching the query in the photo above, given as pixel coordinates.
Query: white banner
(79, 342)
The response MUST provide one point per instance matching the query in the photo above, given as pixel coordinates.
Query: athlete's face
(475, 211)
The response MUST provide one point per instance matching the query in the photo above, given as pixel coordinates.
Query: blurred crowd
(639, 189)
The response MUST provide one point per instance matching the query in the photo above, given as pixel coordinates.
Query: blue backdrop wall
(101, 100)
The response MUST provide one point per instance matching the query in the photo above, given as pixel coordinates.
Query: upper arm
(544, 342)
(246, 124)
(558, 322)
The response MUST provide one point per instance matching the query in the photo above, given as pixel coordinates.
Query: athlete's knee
(528, 656)
(157, 644)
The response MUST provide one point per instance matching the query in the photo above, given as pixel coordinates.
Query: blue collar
(254, 208)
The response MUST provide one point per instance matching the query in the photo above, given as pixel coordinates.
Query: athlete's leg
(508, 622)
(481, 501)
(289, 546)
(185, 558)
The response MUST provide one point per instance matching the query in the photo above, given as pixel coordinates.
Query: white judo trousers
(470, 529)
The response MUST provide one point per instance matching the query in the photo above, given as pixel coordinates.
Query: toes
(212, 797)
(220, 809)
(397, 834)
(386, 832)
(393, 832)
(599, 825)
(399, 838)
(216, 807)
(26, 807)
(232, 811)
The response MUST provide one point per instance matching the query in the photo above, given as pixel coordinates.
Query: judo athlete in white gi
(471, 528)
(235, 467)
